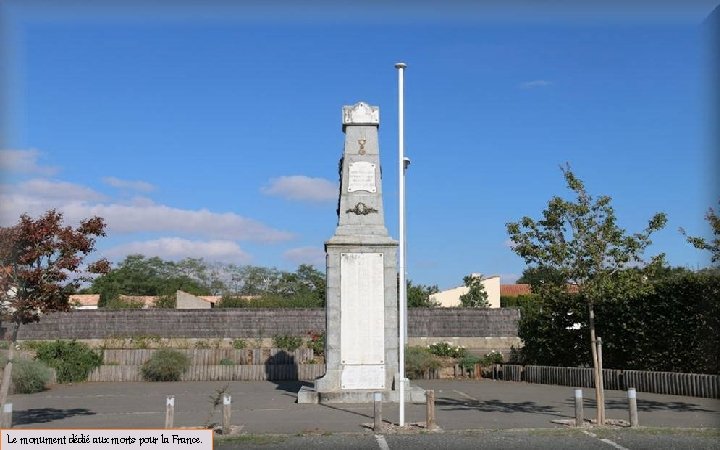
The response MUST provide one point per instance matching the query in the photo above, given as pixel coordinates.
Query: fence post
(169, 411)
(6, 422)
(227, 412)
(632, 403)
(429, 409)
(377, 411)
(579, 414)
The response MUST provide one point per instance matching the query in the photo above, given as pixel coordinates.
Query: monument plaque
(364, 377)
(362, 336)
(361, 177)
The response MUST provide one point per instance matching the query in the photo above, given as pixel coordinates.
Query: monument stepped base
(307, 394)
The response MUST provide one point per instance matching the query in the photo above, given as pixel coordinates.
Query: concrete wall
(254, 323)
(189, 301)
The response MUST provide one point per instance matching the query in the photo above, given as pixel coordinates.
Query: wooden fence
(214, 356)
(672, 383)
(223, 364)
(254, 372)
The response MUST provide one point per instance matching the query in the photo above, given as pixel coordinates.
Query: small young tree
(40, 266)
(418, 295)
(713, 246)
(581, 241)
(476, 297)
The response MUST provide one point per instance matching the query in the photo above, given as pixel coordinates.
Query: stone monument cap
(360, 114)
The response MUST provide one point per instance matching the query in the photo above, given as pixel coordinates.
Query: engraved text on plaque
(361, 177)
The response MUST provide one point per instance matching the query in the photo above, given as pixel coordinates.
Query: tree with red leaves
(41, 264)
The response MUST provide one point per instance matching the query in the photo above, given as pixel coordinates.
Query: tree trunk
(7, 374)
(599, 399)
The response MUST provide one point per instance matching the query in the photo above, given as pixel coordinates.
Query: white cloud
(135, 185)
(175, 248)
(300, 187)
(535, 84)
(24, 162)
(306, 255)
(162, 218)
(137, 215)
(142, 215)
(57, 190)
(34, 197)
(509, 243)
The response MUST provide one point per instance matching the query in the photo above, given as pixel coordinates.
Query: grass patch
(658, 431)
(256, 439)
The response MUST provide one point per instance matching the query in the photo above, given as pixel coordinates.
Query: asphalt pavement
(271, 408)
(471, 414)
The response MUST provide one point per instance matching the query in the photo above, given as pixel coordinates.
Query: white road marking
(382, 443)
(607, 441)
(466, 395)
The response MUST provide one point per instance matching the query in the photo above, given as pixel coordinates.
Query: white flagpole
(401, 226)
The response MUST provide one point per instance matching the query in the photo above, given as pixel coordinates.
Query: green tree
(418, 295)
(259, 280)
(139, 275)
(536, 276)
(711, 245)
(306, 280)
(476, 297)
(272, 288)
(581, 240)
(41, 264)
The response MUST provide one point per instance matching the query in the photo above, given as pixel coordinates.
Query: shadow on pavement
(281, 369)
(452, 404)
(45, 415)
(369, 416)
(645, 405)
(290, 386)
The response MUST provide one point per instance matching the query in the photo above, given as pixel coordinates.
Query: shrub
(239, 344)
(494, 357)
(121, 303)
(316, 342)
(201, 344)
(227, 362)
(73, 361)
(299, 300)
(30, 376)
(165, 365)
(286, 342)
(468, 362)
(447, 349)
(419, 361)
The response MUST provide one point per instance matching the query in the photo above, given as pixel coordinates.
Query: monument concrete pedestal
(361, 339)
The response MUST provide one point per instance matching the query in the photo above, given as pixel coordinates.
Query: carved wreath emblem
(361, 209)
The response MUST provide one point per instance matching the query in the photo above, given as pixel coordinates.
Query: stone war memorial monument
(361, 354)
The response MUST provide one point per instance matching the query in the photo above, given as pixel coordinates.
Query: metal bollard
(579, 414)
(377, 410)
(169, 411)
(632, 403)
(429, 409)
(227, 412)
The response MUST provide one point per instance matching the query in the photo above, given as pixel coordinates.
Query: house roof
(513, 290)
(84, 299)
(147, 300)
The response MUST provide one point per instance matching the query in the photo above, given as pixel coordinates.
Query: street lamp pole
(401, 225)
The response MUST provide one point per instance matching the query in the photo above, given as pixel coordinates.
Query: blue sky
(215, 132)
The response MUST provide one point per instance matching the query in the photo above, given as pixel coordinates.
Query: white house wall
(451, 298)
